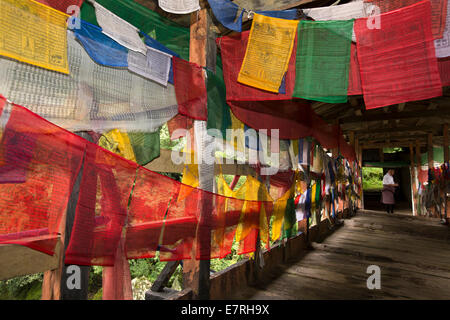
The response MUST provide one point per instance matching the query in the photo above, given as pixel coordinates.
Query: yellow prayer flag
(269, 50)
(34, 33)
(279, 208)
(118, 142)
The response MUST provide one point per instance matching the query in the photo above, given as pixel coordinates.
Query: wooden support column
(202, 50)
(445, 142)
(446, 159)
(430, 157)
(412, 171)
(418, 165)
(360, 162)
(58, 284)
(381, 151)
(430, 150)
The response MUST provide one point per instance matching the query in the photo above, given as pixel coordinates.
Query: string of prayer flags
(179, 6)
(190, 89)
(398, 61)
(34, 33)
(155, 65)
(233, 49)
(101, 48)
(66, 6)
(443, 44)
(171, 34)
(437, 17)
(94, 97)
(269, 50)
(118, 29)
(323, 59)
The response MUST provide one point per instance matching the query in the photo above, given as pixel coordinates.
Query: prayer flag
(398, 61)
(34, 33)
(268, 52)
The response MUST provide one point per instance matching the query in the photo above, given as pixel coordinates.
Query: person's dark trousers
(390, 208)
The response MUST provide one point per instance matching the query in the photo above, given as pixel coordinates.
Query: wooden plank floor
(413, 255)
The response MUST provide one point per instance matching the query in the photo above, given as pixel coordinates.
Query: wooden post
(446, 159)
(352, 141)
(430, 156)
(445, 142)
(430, 150)
(202, 50)
(360, 161)
(381, 151)
(418, 165)
(55, 283)
(412, 170)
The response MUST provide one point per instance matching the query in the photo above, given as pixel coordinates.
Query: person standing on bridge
(387, 194)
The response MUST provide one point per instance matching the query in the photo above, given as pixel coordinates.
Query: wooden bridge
(412, 254)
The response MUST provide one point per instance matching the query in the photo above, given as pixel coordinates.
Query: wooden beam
(399, 144)
(438, 113)
(16, 260)
(165, 164)
(362, 132)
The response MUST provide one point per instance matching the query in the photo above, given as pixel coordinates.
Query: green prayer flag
(146, 146)
(169, 33)
(289, 219)
(218, 110)
(323, 60)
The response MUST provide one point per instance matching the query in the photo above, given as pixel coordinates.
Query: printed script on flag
(268, 52)
(34, 33)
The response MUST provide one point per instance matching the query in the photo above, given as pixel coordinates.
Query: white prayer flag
(348, 11)
(155, 65)
(443, 45)
(118, 29)
(179, 6)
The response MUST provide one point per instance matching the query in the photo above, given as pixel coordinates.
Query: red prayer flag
(62, 5)
(438, 12)
(398, 61)
(354, 78)
(190, 89)
(233, 50)
(39, 163)
(444, 71)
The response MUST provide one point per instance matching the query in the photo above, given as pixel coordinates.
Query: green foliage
(221, 264)
(372, 179)
(27, 287)
(167, 143)
(392, 150)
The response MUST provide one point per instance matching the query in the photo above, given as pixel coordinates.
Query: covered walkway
(412, 254)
